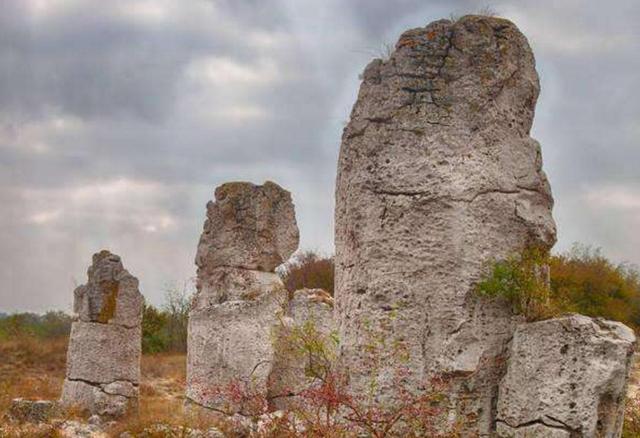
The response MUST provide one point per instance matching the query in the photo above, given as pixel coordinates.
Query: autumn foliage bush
(582, 280)
(326, 407)
(309, 270)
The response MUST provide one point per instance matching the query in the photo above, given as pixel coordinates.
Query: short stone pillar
(103, 358)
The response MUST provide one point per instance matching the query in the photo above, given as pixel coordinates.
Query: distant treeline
(50, 325)
(582, 279)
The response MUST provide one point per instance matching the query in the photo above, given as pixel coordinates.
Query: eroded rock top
(248, 226)
(447, 118)
(111, 294)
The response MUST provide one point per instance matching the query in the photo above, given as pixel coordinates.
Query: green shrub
(154, 335)
(522, 281)
(165, 329)
(52, 324)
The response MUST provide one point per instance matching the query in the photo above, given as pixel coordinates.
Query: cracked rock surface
(103, 357)
(437, 176)
(566, 377)
(240, 301)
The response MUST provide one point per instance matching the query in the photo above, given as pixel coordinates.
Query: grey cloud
(96, 93)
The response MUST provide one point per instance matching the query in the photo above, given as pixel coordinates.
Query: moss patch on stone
(108, 310)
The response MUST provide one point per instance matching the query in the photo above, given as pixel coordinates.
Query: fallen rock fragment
(566, 377)
(32, 411)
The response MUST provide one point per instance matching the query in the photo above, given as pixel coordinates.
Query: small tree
(176, 307)
(154, 339)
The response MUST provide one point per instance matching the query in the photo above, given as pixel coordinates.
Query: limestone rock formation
(240, 301)
(111, 295)
(103, 357)
(248, 226)
(309, 319)
(567, 377)
(230, 353)
(437, 176)
(233, 284)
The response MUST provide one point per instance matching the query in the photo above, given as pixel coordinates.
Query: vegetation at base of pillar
(325, 406)
(165, 329)
(581, 280)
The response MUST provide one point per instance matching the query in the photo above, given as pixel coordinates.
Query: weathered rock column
(249, 231)
(437, 176)
(103, 358)
(567, 377)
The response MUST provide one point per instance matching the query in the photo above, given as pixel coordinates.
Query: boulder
(437, 177)
(32, 411)
(566, 377)
(248, 226)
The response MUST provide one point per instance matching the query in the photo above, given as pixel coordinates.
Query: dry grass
(162, 398)
(31, 368)
(34, 369)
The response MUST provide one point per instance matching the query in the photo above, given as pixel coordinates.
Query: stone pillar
(103, 357)
(240, 300)
(437, 176)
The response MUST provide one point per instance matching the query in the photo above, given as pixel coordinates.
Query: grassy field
(33, 368)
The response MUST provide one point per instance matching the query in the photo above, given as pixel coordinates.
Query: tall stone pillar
(438, 175)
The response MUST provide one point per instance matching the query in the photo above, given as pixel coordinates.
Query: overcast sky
(118, 118)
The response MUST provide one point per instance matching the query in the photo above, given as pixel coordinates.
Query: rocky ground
(34, 370)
